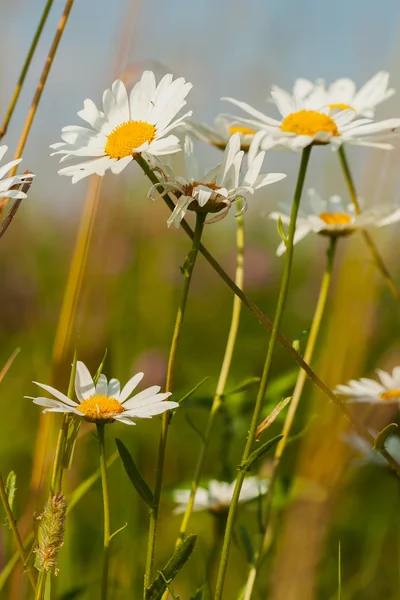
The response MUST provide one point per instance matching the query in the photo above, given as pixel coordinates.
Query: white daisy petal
(130, 386)
(84, 386)
(59, 395)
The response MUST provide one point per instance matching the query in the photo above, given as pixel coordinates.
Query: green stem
(379, 262)
(15, 532)
(188, 268)
(56, 479)
(25, 68)
(223, 376)
(294, 403)
(266, 372)
(41, 586)
(106, 505)
(267, 323)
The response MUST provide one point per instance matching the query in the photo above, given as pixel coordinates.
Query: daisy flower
(219, 134)
(9, 182)
(218, 495)
(333, 217)
(305, 122)
(140, 122)
(343, 93)
(105, 402)
(217, 189)
(387, 390)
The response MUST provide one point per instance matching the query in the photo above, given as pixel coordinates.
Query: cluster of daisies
(144, 124)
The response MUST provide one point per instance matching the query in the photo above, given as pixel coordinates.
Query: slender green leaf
(199, 594)
(272, 416)
(193, 390)
(72, 423)
(257, 454)
(242, 387)
(100, 369)
(281, 231)
(11, 488)
(382, 436)
(133, 473)
(247, 545)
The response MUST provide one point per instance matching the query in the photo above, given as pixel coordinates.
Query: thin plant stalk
(25, 68)
(267, 323)
(17, 538)
(293, 406)
(188, 268)
(41, 586)
(106, 508)
(39, 90)
(379, 262)
(266, 372)
(223, 376)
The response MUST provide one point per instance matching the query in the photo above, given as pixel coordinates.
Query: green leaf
(11, 488)
(71, 422)
(171, 569)
(133, 473)
(247, 545)
(383, 435)
(199, 594)
(193, 390)
(272, 416)
(100, 369)
(281, 231)
(254, 456)
(245, 385)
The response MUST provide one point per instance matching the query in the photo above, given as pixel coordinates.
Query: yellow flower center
(99, 408)
(391, 395)
(340, 106)
(309, 122)
(128, 136)
(242, 130)
(335, 218)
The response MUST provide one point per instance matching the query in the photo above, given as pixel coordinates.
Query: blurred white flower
(219, 135)
(6, 184)
(343, 94)
(387, 390)
(216, 189)
(104, 402)
(138, 123)
(333, 217)
(218, 494)
(368, 454)
(305, 122)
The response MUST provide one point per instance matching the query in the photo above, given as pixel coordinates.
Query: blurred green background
(131, 285)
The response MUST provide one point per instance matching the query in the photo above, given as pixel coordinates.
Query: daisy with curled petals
(387, 390)
(217, 189)
(343, 93)
(218, 495)
(219, 135)
(129, 124)
(7, 183)
(304, 122)
(104, 402)
(332, 217)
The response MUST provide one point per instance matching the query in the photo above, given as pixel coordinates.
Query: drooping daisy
(219, 188)
(333, 217)
(387, 390)
(343, 93)
(304, 123)
(219, 135)
(128, 125)
(218, 495)
(9, 182)
(105, 402)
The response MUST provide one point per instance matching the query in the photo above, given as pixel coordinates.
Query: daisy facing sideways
(128, 125)
(218, 495)
(219, 135)
(387, 390)
(105, 402)
(217, 189)
(304, 122)
(333, 217)
(7, 183)
(343, 93)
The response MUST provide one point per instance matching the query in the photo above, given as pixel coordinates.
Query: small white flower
(6, 184)
(218, 495)
(216, 189)
(387, 390)
(220, 134)
(105, 402)
(140, 122)
(333, 217)
(305, 122)
(343, 93)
